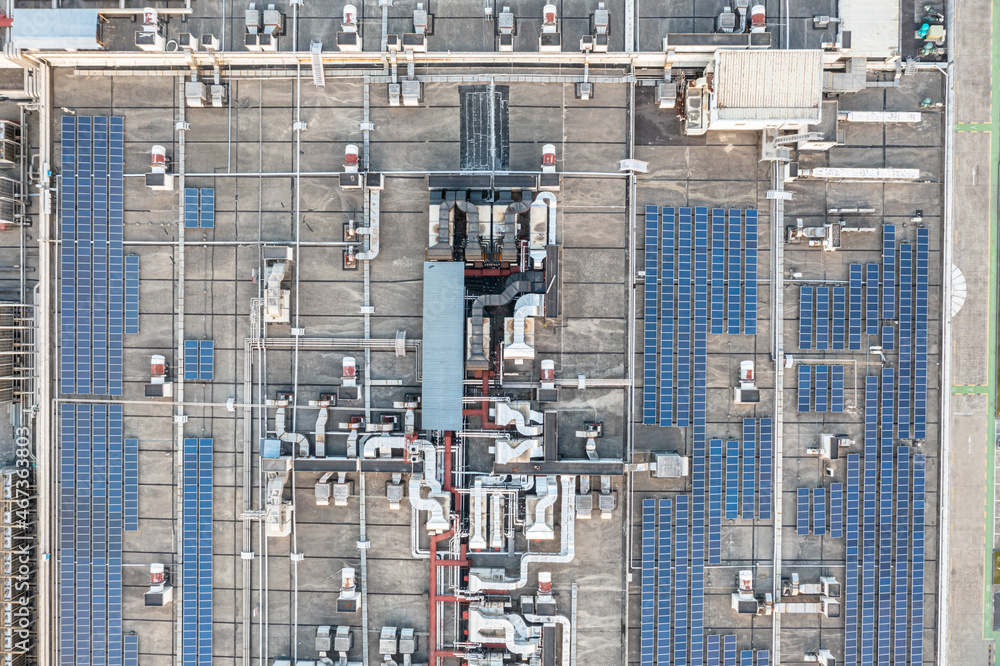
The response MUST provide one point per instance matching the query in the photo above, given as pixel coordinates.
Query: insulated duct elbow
(564, 624)
(372, 230)
(529, 305)
(471, 221)
(508, 249)
(437, 502)
(529, 282)
(547, 200)
(441, 250)
(321, 419)
(540, 529)
(299, 441)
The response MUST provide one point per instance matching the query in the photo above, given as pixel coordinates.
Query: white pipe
(436, 500)
(483, 579)
(515, 630)
(477, 538)
(505, 415)
(373, 445)
(321, 432)
(504, 452)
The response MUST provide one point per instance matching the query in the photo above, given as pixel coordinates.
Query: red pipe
(435, 563)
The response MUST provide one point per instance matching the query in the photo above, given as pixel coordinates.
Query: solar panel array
(819, 511)
(130, 479)
(90, 534)
(889, 271)
(749, 462)
(822, 387)
(732, 479)
(748, 480)
(197, 563)
(871, 299)
(766, 469)
(131, 304)
(802, 511)
(839, 314)
(680, 596)
(822, 318)
(715, 501)
(199, 207)
(805, 317)
(837, 388)
(91, 270)
(886, 529)
(199, 360)
(693, 265)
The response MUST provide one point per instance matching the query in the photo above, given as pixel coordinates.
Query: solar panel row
(729, 650)
(646, 625)
(715, 501)
(805, 387)
(822, 387)
(871, 299)
(749, 469)
(732, 479)
(805, 317)
(684, 306)
(735, 247)
(680, 597)
(905, 340)
(131, 303)
(130, 472)
(852, 557)
(901, 605)
(802, 511)
(837, 388)
(854, 309)
(649, 320)
(889, 271)
(822, 318)
(663, 583)
(920, 336)
(90, 534)
(718, 270)
(197, 555)
(667, 320)
(766, 470)
(819, 511)
(839, 310)
(886, 481)
(869, 522)
(91, 255)
(836, 510)
(750, 273)
(917, 562)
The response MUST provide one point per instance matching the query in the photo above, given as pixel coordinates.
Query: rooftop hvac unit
(506, 29)
(274, 21)
(10, 143)
(218, 94)
(695, 117)
(252, 19)
(149, 41)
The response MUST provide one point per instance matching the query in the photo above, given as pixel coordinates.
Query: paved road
(969, 453)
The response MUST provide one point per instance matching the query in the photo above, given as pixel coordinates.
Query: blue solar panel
(130, 478)
(805, 387)
(766, 470)
(713, 652)
(888, 338)
(903, 385)
(901, 607)
(889, 271)
(190, 553)
(715, 501)
(822, 387)
(191, 208)
(802, 511)
(851, 576)
(205, 552)
(822, 318)
(749, 468)
(746, 657)
(729, 650)
(663, 564)
(920, 336)
(646, 624)
(854, 308)
(700, 358)
(732, 478)
(718, 270)
(839, 314)
(206, 360)
(886, 479)
(805, 317)
(819, 511)
(131, 652)
(750, 274)
(680, 580)
(735, 252)
(871, 299)
(667, 322)
(650, 299)
(206, 211)
(763, 657)
(190, 359)
(917, 562)
(684, 284)
(836, 510)
(131, 302)
(837, 388)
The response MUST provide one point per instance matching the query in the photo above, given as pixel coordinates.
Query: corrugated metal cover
(443, 344)
(874, 26)
(768, 84)
(55, 29)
